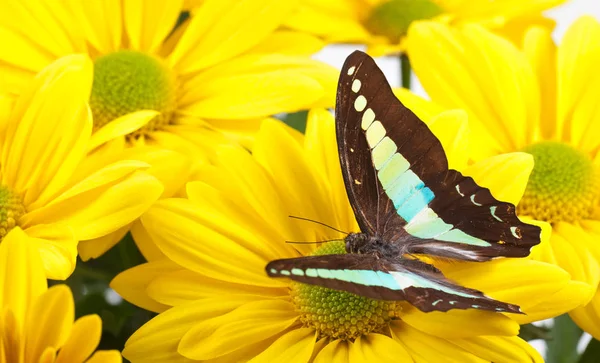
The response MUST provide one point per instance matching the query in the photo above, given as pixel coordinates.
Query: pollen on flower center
(11, 209)
(564, 184)
(127, 81)
(339, 314)
(392, 18)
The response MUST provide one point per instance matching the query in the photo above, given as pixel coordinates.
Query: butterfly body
(407, 202)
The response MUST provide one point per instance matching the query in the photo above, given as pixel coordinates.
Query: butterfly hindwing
(419, 283)
(398, 182)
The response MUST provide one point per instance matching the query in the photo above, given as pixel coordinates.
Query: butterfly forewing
(420, 284)
(398, 181)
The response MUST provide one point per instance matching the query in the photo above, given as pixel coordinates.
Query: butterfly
(407, 202)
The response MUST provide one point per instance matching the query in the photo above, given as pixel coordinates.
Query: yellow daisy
(541, 100)
(224, 67)
(383, 24)
(216, 301)
(45, 187)
(36, 322)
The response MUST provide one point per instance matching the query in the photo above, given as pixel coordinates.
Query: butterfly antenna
(311, 242)
(317, 222)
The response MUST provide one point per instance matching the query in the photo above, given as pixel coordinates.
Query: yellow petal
(321, 148)
(101, 23)
(94, 248)
(541, 52)
(573, 295)
(378, 348)
(492, 173)
(179, 287)
(106, 356)
(452, 129)
(57, 247)
(171, 168)
(500, 349)
(295, 346)
(12, 336)
(426, 348)
(542, 252)
(334, 26)
(148, 23)
(337, 351)
(56, 34)
(113, 197)
(221, 29)
(573, 250)
(22, 277)
(145, 243)
(158, 340)
(250, 323)
(120, 127)
(48, 356)
(40, 156)
(131, 284)
(288, 42)
(255, 96)
(424, 109)
(519, 281)
(84, 338)
(578, 55)
(196, 239)
(481, 73)
(460, 323)
(588, 317)
(268, 151)
(49, 321)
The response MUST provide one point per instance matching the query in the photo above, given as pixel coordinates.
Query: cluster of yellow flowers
(156, 118)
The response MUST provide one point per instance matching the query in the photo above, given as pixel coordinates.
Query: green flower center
(127, 81)
(339, 314)
(392, 18)
(564, 184)
(11, 209)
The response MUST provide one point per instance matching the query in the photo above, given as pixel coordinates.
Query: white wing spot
(367, 119)
(515, 232)
(356, 85)
(351, 150)
(273, 271)
(458, 190)
(284, 272)
(360, 103)
(453, 302)
(473, 200)
(357, 182)
(351, 70)
(493, 211)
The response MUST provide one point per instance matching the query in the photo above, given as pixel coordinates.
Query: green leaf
(591, 353)
(296, 120)
(530, 332)
(562, 347)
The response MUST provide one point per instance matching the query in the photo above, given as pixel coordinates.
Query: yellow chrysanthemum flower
(222, 305)
(223, 67)
(47, 187)
(36, 322)
(540, 100)
(383, 24)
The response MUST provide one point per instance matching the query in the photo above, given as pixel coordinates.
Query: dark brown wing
(397, 178)
(419, 283)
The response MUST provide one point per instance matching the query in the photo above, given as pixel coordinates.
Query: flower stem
(405, 70)
(562, 347)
